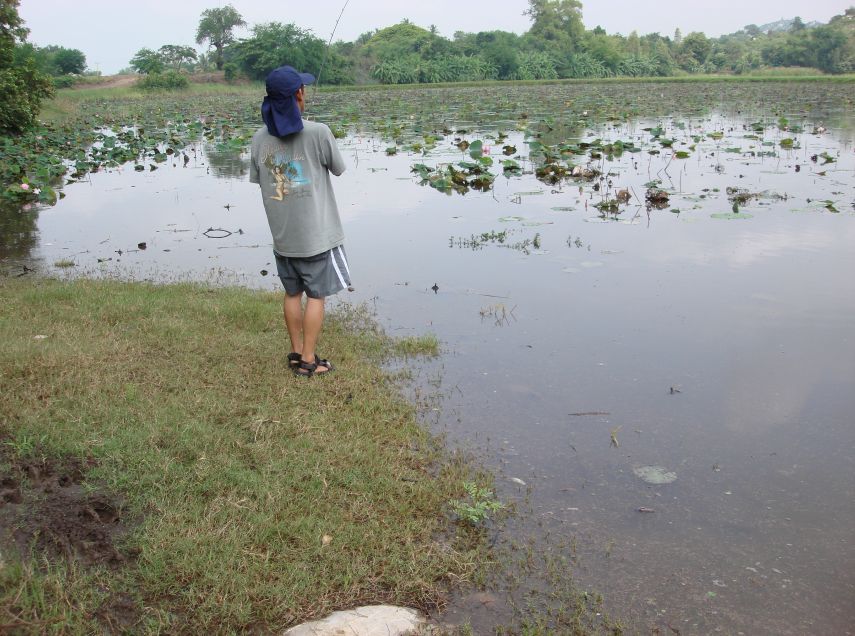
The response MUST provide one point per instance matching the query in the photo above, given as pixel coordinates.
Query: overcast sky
(109, 32)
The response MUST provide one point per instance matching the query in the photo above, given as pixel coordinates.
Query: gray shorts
(319, 276)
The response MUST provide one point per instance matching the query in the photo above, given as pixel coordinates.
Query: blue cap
(279, 110)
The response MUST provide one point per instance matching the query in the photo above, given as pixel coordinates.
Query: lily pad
(511, 219)
(656, 475)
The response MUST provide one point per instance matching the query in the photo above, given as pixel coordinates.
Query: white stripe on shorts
(337, 270)
(343, 260)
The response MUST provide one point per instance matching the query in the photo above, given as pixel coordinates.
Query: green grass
(232, 471)
(66, 103)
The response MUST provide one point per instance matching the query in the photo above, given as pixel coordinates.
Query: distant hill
(782, 25)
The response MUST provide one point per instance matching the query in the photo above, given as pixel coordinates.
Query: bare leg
(293, 310)
(313, 320)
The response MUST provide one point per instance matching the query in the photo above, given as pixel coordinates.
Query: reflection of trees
(227, 164)
(18, 233)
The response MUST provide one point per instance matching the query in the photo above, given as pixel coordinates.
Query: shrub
(22, 90)
(230, 69)
(168, 81)
(63, 81)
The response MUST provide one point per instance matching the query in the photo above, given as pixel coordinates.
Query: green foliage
(147, 61)
(480, 504)
(536, 65)
(585, 65)
(501, 50)
(216, 26)
(556, 46)
(66, 61)
(230, 71)
(405, 39)
(274, 44)
(830, 48)
(556, 26)
(51, 60)
(166, 81)
(693, 52)
(22, 85)
(176, 55)
(63, 81)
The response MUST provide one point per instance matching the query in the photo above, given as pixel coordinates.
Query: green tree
(406, 38)
(557, 30)
(148, 62)
(275, 44)
(633, 44)
(833, 51)
(500, 49)
(693, 52)
(22, 86)
(216, 27)
(176, 55)
(605, 48)
(66, 61)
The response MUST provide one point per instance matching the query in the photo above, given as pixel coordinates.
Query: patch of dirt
(48, 511)
(110, 81)
(119, 613)
(44, 507)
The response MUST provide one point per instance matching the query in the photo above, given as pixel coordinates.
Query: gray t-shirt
(294, 175)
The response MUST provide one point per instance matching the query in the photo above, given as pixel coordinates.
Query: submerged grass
(255, 499)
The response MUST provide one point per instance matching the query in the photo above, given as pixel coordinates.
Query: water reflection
(18, 231)
(227, 164)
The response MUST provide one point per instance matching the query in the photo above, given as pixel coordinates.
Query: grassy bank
(233, 496)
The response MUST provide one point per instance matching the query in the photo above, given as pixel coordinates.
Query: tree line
(557, 45)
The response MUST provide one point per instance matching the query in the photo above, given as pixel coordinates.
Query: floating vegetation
(460, 177)
(731, 215)
(500, 239)
(498, 313)
(611, 206)
(108, 133)
(478, 241)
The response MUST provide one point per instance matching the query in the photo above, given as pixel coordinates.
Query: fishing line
(327, 51)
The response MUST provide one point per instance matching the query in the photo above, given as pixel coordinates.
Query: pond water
(712, 337)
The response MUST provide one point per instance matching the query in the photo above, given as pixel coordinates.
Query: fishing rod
(327, 51)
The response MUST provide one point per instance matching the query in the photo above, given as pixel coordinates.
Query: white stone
(385, 620)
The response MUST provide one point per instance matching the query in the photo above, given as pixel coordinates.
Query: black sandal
(308, 369)
(294, 359)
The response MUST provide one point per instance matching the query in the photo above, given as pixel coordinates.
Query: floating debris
(613, 437)
(655, 475)
(655, 195)
(220, 233)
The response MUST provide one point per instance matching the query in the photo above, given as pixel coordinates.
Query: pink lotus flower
(25, 186)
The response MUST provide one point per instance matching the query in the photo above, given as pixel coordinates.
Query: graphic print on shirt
(287, 173)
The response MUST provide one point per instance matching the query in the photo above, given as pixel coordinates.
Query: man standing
(291, 160)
